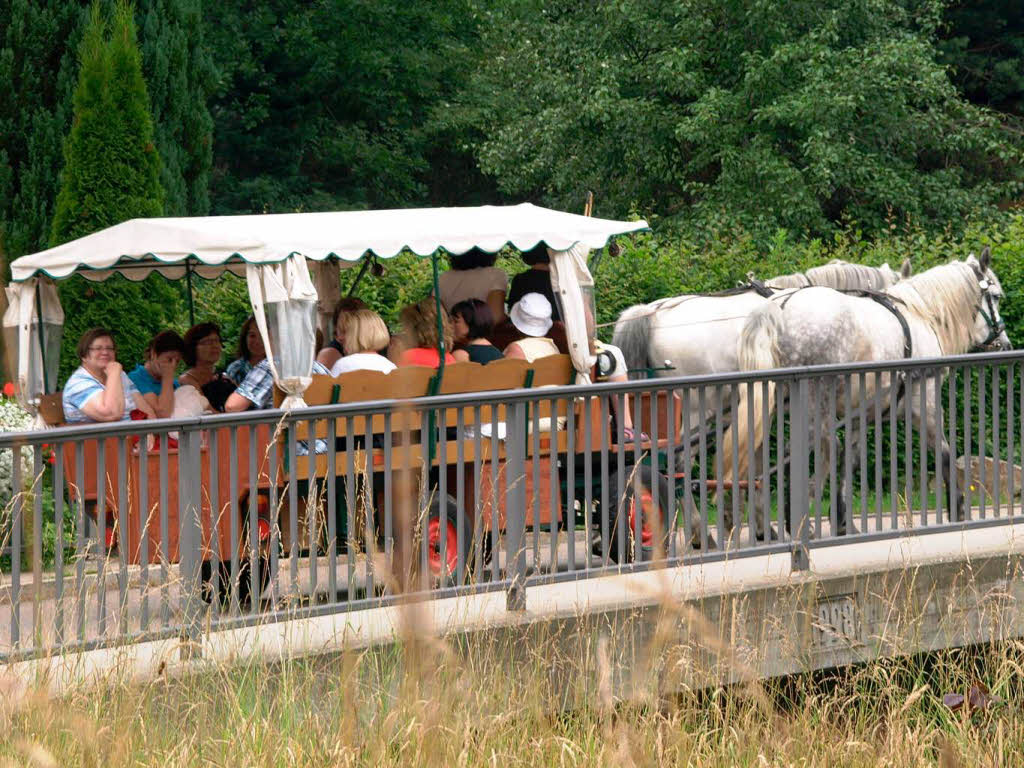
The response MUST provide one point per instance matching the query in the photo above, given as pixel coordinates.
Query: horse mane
(946, 298)
(785, 282)
(838, 275)
(843, 276)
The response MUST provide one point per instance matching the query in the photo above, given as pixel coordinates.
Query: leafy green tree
(339, 104)
(983, 41)
(111, 174)
(802, 114)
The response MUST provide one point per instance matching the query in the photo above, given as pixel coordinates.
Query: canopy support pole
(440, 320)
(359, 276)
(191, 305)
(42, 344)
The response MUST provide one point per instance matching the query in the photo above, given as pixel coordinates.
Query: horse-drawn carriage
(327, 474)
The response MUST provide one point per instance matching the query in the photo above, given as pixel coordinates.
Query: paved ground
(132, 601)
(567, 601)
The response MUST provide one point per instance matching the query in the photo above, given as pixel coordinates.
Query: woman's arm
(236, 403)
(109, 405)
(143, 405)
(461, 356)
(514, 351)
(327, 357)
(163, 403)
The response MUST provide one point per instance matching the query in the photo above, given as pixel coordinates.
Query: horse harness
(995, 328)
(879, 297)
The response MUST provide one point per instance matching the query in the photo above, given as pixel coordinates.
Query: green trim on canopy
(215, 244)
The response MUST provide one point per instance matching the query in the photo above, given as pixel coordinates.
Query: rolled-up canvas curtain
(36, 343)
(574, 288)
(284, 304)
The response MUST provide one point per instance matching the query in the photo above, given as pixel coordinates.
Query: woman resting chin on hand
(99, 390)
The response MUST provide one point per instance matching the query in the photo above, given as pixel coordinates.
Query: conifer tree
(38, 63)
(180, 76)
(111, 174)
(112, 168)
(39, 45)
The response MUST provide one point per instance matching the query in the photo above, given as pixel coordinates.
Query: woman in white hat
(531, 316)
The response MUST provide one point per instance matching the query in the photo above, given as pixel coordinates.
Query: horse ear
(907, 269)
(985, 260)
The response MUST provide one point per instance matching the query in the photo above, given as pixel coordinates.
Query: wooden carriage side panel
(538, 495)
(86, 488)
(146, 520)
(217, 512)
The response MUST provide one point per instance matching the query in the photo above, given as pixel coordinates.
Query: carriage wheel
(445, 524)
(653, 506)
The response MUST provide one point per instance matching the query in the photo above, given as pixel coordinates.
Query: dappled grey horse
(696, 335)
(947, 310)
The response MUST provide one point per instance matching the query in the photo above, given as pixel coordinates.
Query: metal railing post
(190, 539)
(799, 497)
(515, 524)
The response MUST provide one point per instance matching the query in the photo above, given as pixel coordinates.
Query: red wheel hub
(647, 510)
(451, 543)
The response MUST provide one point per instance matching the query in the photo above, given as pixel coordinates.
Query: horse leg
(934, 427)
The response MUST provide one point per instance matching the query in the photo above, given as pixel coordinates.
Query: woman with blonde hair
(365, 336)
(334, 349)
(419, 335)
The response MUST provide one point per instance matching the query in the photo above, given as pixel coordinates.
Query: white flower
(13, 418)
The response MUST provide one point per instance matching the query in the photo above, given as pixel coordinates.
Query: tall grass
(546, 697)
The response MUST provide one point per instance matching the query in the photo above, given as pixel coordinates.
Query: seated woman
(472, 324)
(250, 351)
(365, 336)
(99, 389)
(537, 279)
(335, 348)
(531, 316)
(474, 276)
(256, 392)
(154, 379)
(203, 349)
(418, 341)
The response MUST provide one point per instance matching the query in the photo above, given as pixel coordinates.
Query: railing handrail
(508, 396)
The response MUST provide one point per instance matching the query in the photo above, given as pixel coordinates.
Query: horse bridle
(995, 327)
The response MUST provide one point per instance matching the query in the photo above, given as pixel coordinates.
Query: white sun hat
(532, 314)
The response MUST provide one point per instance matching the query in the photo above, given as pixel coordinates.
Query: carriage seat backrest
(466, 378)
(51, 408)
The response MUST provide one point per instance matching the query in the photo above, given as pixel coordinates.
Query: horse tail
(633, 336)
(757, 349)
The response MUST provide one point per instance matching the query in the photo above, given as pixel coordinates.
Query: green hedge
(651, 266)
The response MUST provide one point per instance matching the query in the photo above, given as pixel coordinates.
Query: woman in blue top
(155, 378)
(99, 390)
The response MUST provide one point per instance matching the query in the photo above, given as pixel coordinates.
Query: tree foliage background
(111, 174)
(735, 126)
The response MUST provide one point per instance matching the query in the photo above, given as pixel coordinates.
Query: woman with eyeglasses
(99, 389)
(203, 350)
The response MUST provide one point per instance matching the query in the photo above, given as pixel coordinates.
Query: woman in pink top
(419, 335)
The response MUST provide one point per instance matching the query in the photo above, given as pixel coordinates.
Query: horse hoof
(696, 546)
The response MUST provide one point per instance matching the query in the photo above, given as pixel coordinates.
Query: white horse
(696, 335)
(948, 310)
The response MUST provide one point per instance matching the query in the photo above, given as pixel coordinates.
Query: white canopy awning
(212, 244)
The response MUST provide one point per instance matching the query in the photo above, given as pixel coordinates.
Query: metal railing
(172, 528)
